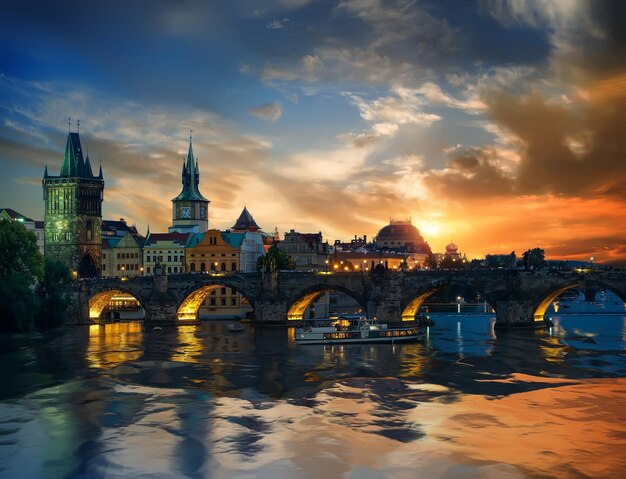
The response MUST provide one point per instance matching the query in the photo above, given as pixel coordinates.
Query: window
(233, 267)
(213, 292)
(212, 301)
(104, 267)
(223, 267)
(148, 269)
(192, 267)
(68, 236)
(223, 291)
(119, 267)
(233, 301)
(169, 259)
(169, 269)
(202, 267)
(104, 256)
(147, 259)
(223, 302)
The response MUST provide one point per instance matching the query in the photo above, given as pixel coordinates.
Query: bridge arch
(298, 306)
(548, 297)
(412, 307)
(100, 300)
(194, 297)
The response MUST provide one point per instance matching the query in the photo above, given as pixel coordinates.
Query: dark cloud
(576, 151)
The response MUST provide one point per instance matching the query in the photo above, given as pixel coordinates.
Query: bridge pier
(270, 311)
(387, 311)
(162, 311)
(516, 314)
(82, 306)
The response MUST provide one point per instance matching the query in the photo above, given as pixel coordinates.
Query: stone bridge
(519, 298)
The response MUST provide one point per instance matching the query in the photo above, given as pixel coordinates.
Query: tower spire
(69, 124)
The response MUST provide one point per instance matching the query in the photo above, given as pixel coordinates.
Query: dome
(405, 231)
(452, 247)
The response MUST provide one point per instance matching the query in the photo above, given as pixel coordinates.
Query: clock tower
(190, 210)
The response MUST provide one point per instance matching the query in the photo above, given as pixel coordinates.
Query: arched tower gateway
(73, 212)
(190, 210)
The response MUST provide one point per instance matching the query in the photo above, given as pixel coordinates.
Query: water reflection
(113, 344)
(119, 401)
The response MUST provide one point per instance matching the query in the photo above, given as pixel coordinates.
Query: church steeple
(190, 178)
(190, 210)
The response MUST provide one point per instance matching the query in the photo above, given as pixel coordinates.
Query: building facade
(190, 210)
(308, 250)
(122, 256)
(167, 250)
(73, 212)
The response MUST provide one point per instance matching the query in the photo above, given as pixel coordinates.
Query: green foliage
(55, 294)
(274, 260)
(21, 268)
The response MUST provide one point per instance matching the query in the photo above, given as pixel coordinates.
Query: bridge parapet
(516, 296)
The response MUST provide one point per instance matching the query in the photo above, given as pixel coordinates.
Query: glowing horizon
(497, 124)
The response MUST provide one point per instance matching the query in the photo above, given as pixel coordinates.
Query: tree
(55, 293)
(275, 259)
(431, 261)
(21, 269)
(534, 258)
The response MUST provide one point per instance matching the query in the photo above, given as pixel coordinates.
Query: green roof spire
(190, 178)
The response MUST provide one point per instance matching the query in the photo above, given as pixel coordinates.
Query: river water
(120, 401)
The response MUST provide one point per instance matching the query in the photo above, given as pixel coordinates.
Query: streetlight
(326, 266)
(141, 269)
(123, 269)
(591, 265)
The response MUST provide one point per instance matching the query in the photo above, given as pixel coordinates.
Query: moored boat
(360, 330)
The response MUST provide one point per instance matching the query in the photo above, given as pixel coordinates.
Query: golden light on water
(113, 344)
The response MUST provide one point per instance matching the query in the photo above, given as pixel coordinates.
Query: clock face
(185, 212)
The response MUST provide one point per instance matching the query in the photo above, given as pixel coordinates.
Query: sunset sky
(502, 124)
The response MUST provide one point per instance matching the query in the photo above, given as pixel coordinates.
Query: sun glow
(429, 229)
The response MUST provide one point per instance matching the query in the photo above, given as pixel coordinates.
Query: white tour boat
(360, 330)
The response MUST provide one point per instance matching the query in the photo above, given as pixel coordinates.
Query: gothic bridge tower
(73, 212)
(190, 210)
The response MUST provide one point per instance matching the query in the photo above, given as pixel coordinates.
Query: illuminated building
(166, 249)
(452, 252)
(73, 212)
(221, 252)
(400, 236)
(122, 256)
(190, 210)
(122, 249)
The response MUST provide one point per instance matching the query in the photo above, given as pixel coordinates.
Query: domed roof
(452, 247)
(406, 231)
